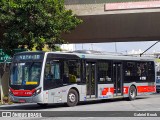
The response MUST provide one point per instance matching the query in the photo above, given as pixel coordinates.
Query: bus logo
(6, 114)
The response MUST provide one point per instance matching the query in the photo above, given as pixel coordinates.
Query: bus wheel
(132, 93)
(42, 104)
(72, 98)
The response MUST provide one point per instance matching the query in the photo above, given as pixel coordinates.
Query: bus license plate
(22, 101)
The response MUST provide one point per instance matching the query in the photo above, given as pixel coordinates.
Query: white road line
(86, 118)
(143, 110)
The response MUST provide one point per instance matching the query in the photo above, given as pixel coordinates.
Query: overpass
(116, 25)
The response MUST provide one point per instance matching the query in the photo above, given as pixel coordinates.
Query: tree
(34, 23)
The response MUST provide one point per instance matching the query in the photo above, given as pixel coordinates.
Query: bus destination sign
(28, 57)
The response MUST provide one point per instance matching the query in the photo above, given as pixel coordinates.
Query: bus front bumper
(31, 99)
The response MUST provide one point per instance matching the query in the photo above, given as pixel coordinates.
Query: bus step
(118, 94)
(118, 97)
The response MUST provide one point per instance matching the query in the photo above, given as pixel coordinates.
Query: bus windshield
(25, 73)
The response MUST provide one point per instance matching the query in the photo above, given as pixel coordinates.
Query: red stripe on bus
(125, 89)
(140, 89)
(24, 93)
(107, 90)
(146, 89)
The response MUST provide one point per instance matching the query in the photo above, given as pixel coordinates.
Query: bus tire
(72, 98)
(132, 93)
(42, 104)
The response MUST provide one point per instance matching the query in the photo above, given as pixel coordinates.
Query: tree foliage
(34, 23)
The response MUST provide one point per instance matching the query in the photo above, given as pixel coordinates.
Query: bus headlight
(10, 91)
(38, 91)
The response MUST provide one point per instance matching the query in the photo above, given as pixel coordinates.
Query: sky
(121, 47)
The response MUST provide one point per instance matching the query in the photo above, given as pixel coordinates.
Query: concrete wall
(117, 26)
(73, 2)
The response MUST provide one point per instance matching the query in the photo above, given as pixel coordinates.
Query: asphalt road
(101, 108)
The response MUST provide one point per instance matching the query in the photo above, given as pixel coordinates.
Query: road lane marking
(86, 118)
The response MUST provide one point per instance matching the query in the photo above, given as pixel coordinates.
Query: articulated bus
(58, 77)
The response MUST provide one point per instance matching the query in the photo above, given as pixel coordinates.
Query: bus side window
(52, 74)
(104, 72)
(52, 71)
(71, 71)
(142, 69)
(65, 73)
(130, 69)
(55, 71)
(47, 73)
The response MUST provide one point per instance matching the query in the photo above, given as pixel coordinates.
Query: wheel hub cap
(72, 97)
(132, 94)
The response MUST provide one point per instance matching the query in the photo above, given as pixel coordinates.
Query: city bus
(61, 77)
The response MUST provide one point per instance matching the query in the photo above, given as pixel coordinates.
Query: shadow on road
(51, 106)
(31, 107)
(108, 101)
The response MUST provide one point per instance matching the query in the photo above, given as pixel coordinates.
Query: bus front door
(117, 77)
(91, 80)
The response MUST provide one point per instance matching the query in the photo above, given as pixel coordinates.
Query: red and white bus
(57, 77)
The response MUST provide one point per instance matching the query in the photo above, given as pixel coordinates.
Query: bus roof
(96, 55)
